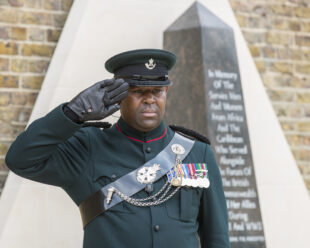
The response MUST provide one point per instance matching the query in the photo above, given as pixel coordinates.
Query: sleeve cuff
(61, 125)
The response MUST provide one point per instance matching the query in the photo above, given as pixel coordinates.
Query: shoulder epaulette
(190, 133)
(99, 124)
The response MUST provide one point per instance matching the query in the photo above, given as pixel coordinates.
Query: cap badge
(147, 174)
(150, 65)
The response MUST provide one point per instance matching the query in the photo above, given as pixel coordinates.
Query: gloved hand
(99, 100)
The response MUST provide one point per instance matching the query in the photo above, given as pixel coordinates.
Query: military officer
(138, 183)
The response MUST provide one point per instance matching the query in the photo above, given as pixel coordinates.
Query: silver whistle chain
(142, 202)
(154, 196)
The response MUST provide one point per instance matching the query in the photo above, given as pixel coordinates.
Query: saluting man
(138, 183)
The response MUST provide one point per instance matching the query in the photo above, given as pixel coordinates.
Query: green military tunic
(56, 151)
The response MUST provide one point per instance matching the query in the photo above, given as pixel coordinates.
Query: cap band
(141, 69)
(144, 77)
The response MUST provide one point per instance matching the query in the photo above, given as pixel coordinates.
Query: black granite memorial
(206, 96)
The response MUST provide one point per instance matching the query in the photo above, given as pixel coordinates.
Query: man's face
(144, 107)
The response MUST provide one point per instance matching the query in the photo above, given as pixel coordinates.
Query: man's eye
(138, 92)
(157, 91)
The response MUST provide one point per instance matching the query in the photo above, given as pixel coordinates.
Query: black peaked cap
(142, 67)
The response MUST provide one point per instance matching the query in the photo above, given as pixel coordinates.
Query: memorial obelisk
(207, 79)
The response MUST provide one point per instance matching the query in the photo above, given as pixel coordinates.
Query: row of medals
(178, 176)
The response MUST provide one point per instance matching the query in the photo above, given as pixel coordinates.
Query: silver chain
(145, 202)
(139, 203)
(153, 196)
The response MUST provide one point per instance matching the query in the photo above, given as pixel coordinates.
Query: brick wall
(278, 36)
(29, 31)
(277, 33)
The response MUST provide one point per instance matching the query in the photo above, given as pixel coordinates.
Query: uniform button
(156, 228)
(113, 176)
(148, 149)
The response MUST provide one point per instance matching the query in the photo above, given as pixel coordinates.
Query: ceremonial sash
(128, 184)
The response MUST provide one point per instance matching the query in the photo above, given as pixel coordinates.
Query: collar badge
(150, 65)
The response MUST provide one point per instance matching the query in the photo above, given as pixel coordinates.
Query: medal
(199, 182)
(190, 175)
(207, 183)
(173, 178)
(185, 176)
(195, 183)
(176, 182)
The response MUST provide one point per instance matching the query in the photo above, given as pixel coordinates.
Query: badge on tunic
(177, 149)
(147, 175)
(191, 175)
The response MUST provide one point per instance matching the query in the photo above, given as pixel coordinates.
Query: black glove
(100, 100)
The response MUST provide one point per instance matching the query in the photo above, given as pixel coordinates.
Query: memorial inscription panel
(208, 68)
(233, 152)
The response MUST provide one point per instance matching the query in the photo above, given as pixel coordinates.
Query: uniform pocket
(184, 206)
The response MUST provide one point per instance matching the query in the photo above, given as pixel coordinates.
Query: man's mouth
(149, 112)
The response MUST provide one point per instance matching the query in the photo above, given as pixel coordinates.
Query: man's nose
(149, 97)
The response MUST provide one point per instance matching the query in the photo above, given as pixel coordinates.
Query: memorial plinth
(207, 97)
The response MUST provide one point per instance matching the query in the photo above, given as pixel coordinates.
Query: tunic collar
(139, 136)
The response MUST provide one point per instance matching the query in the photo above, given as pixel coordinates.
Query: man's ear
(121, 104)
(166, 89)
